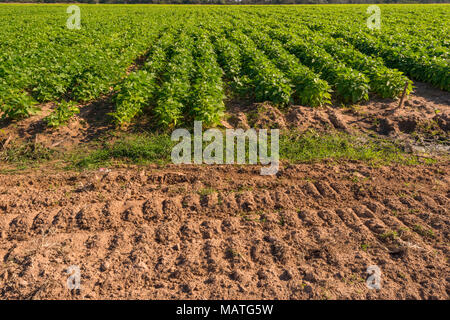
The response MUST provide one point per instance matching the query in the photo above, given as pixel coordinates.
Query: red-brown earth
(226, 232)
(220, 232)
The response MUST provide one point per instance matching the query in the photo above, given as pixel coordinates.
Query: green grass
(146, 148)
(294, 148)
(136, 148)
(310, 147)
(423, 231)
(26, 153)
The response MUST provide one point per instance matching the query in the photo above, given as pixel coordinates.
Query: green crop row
(178, 64)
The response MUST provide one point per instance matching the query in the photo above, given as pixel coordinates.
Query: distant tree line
(228, 1)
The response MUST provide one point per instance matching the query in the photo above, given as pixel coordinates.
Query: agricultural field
(180, 64)
(86, 179)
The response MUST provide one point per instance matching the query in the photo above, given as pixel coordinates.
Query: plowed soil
(224, 232)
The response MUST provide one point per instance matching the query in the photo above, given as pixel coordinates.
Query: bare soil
(221, 232)
(226, 232)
